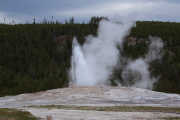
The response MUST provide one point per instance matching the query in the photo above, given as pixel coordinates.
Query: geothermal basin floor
(97, 103)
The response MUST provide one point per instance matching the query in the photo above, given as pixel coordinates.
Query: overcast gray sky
(82, 10)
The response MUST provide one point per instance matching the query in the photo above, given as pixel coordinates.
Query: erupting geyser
(81, 72)
(93, 63)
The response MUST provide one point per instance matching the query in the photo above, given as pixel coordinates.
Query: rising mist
(93, 63)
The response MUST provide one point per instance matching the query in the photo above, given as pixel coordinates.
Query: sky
(25, 10)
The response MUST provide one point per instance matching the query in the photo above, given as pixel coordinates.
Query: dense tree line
(36, 57)
(33, 59)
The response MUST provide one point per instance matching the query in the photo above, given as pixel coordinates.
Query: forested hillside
(35, 57)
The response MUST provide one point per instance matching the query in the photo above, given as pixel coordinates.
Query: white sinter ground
(93, 96)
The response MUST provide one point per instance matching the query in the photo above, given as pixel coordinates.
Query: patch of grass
(13, 114)
(171, 118)
(114, 108)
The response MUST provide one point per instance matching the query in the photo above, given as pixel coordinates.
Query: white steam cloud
(93, 63)
(137, 73)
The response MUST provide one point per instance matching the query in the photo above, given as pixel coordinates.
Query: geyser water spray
(92, 63)
(81, 72)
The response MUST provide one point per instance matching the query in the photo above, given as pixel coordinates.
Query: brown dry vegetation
(13, 114)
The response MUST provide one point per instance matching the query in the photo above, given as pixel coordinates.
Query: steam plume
(95, 60)
(137, 73)
(93, 63)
